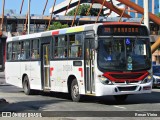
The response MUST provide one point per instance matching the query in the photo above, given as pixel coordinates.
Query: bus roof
(121, 23)
(66, 30)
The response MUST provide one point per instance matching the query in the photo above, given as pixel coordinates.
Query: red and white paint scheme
(100, 59)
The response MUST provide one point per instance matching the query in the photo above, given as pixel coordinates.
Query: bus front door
(45, 67)
(89, 67)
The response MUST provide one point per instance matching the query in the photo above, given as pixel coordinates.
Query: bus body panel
(25, 70)
(132, 88)
(13, 73)
(59, 76)
(102, 90)
(78, 72)
(35, 75)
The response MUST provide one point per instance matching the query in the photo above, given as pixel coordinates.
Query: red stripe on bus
(81, 70)
(51, 69)
(55, 33)
(126, 76)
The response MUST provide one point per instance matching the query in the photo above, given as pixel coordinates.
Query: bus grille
(125, 81)
(131, 88)
(126, 76)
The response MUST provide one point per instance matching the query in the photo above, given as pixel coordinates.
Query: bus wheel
(120, 98)
(26, 86)
(75, 91)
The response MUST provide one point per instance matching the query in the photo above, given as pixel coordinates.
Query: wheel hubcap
(75, 91)
(26, 87)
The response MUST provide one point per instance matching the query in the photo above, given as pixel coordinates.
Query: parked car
(156, 76)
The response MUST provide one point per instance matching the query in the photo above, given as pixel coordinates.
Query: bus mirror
(89, 34)
(92, 45)
(96, 44)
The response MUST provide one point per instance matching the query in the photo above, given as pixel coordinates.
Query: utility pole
(146, 14)
(29, 1)
(3, 4)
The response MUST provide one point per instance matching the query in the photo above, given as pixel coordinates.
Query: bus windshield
(124, 54)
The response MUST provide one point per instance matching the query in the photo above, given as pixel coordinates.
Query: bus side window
(19, 50)
(75, 46)
(15, 52)
(33, 55)
(9, 51)
(60, 47)
(26, 50)
(13, 56)
(35, 49)
(79, 52)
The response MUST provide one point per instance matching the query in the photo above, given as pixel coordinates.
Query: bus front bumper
(102, 90)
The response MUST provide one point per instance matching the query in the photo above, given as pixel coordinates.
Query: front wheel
(75, 91)
(120, 98)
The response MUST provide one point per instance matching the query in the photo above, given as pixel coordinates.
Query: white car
(156, 81)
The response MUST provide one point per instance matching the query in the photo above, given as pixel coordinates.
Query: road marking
(120, 107)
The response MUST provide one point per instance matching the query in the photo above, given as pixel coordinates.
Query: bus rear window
(122, 30)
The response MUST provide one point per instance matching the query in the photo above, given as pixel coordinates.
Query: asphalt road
(57, 103)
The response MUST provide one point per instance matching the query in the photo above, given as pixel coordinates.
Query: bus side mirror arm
(96, 42)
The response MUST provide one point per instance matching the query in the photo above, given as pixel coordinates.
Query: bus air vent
(131, 88)
(126, 76)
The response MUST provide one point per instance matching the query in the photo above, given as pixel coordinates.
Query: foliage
(82, 10)
(57, 25)
(158, 14)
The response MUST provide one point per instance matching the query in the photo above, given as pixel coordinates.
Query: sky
(36, 7)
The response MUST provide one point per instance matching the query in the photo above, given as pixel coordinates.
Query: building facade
(154, 7)
(60, 8)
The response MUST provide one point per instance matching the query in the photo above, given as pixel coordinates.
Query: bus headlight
(105, 80)
(147, 79)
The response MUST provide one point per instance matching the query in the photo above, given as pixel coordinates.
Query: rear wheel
(120, 98)
(75, 91)
(26, 86)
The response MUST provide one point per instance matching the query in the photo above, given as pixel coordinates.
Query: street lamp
(3, 4)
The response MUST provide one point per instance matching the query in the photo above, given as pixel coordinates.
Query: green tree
(158, 14)
(57, 25)
(82, 10)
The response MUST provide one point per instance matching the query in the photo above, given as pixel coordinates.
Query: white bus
(100, 59)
